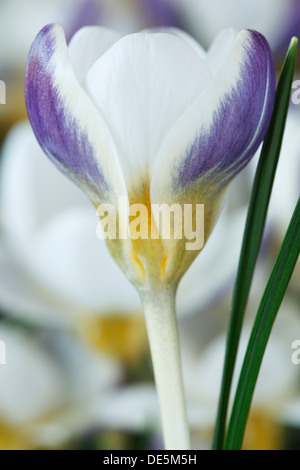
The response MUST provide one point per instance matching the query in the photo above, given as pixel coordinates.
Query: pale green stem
(162, 331)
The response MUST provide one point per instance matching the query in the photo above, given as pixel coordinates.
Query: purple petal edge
(238, 125)
(57, 131)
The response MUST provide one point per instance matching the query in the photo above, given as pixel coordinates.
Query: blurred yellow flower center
(120, 336)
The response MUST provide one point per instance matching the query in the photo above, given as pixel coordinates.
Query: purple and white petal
(66, 123)
(219, 133)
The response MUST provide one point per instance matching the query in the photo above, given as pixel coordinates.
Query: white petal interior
(141, 86)
(87, 45)
(220, 48)
(181, 34)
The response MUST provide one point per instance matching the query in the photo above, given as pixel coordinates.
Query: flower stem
(162, 330)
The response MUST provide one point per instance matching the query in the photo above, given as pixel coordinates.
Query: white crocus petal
(219, 49)
(181, 34)
(160, 145)
(70, 261)
(141, 103)
(78, 127)
(80, 143)
(197, 158)
(31, 385)
(87, 45)
(199, 118)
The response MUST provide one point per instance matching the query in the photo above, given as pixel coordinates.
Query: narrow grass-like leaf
(261, 331)
(253, 233)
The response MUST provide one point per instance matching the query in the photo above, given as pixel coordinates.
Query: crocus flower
(36, 288)
(151, 119)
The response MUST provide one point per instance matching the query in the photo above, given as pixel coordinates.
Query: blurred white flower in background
(276, 389)
(285, 192)
(49, 385)
(286, 187)
(277, 385)
(276, 19)
(21, 21)
(55, 272)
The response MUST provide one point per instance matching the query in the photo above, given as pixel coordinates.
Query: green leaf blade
(261, 331)
(253, 233)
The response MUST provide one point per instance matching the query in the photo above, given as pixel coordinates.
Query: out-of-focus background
(77, 372)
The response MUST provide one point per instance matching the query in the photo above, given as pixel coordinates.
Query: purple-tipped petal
(218, 135)
(68, 127)
(239, 123)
